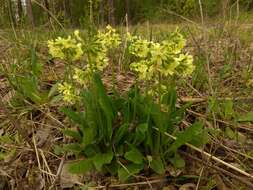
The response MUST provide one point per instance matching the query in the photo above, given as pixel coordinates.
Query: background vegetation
(76, 13)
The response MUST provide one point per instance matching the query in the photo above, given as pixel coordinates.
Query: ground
(220, 90)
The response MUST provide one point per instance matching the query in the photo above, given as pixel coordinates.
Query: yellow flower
(68, 49)
(103, 43)
(139, 48)
(164, 59)
(82, 76)
(169, 68)
(96, 54)
(158, 54)
(186, 66)
(144, 70)
(108, 39)
(68, 92)
(77, 35)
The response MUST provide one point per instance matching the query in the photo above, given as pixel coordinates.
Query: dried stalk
(209, 156)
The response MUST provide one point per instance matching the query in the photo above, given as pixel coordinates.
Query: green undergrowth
(125, 135)
(128, 133)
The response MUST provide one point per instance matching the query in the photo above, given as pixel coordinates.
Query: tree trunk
(11, 13)
(102, 13)
(67, 9)
(29, 12)
(59, 6)
(20, 10)
(111, 16)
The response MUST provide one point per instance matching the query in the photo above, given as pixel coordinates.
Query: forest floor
(220, 90)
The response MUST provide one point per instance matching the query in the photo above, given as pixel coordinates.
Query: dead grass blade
(209, 156)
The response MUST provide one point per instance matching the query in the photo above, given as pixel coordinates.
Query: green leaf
(58, 150)
(28, 87)
(88, 136)
(230, 133)
(248, 117)
(134, 155)
(170, 99)
(112, 168)
(200, 138)
(228, 109)
(178, 115)
(82, 166)
(35, 66)
(125, 172)
(56, 99)
(91, 115)
(74, 134)
(72, 147)
(105, 104)
(157, 165)
(120, 133)
(213, 105)
(177, 161)
(91, 150)
(186, 136)
(142, 128)
(53, 90)
(74, 116)
(140, 133)
(160, 118)
(101, 159)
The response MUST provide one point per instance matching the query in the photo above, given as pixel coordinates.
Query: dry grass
(28, 133)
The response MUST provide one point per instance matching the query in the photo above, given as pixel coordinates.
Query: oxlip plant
(124, 133)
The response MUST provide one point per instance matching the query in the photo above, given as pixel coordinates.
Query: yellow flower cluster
(82, 76)
(152, 59)
(69, 49)
(68, 92)
(109, 38)
(164, 59)
(96, 54)
(104, 41)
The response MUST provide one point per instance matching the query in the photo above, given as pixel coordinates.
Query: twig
(237, 152)
(58, 171)
(47, 114)
(182, 17)
(143, 183)
(209, 156)
(194, 89)
(49, 12)
(219, 120)
(47, 166)
(201, 99)
(200, 175)
(218, 169)
(36, 152)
